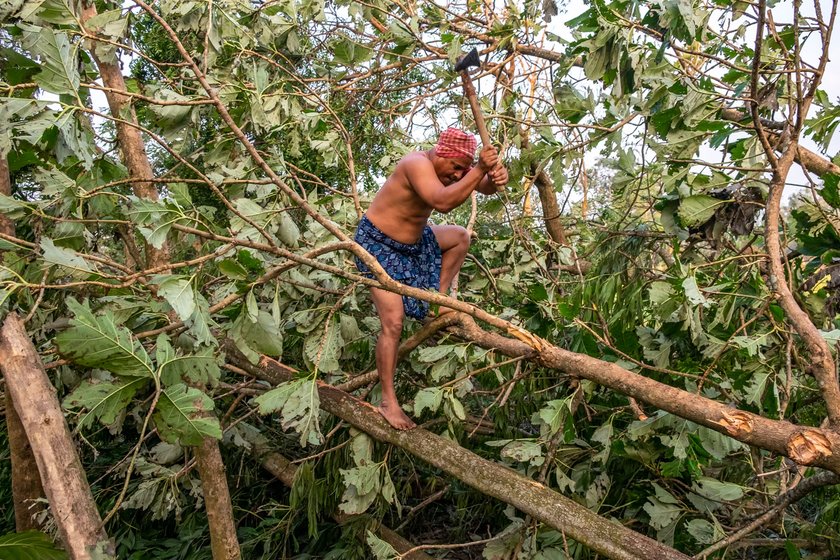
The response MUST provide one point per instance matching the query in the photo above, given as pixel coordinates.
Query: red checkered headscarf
(455, 143)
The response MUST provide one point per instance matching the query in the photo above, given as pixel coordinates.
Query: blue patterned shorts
(417, 265)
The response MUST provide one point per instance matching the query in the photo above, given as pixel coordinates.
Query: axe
(461, 66)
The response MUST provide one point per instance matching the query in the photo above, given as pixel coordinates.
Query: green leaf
(251, 307)
(554, 413)
(830, 192)
(381, 549)
(430, 398)
(60, 69)
(323, 347)
(349, 328)
(252, 210)
(718, 490)
(792, 551)
(361, 447)
(233, 269)
(717, 444)
(522, 450)
(288, 231)
(182, 416)
(178, 292)
(157, 215)
(50, 11)
(261, 337)
(656, 347)
(200, 367)
(434, 353)
(65, 258)
(362, 487)
(103, 401)
(171, 117)
(758, 383)
(29, 545)
(457, 407)
(111, 24)
(18, 68)
(443, 369)
(200, 322)
(703, 531)
(75, 141)
(53, 181)
(697, 209)
(97, 342)
(692, 291)
(297, 402)
(12, 208)
(663, 509)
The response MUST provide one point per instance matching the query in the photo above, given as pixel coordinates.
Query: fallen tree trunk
(71, 502)
(577, 522)
(804, 444)
(284, 471)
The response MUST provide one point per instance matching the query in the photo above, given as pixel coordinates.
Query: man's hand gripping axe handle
(463, 64)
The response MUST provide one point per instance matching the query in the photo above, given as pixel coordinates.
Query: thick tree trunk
(224, 543)
(284, 471)
(71, 503)
(129, 139)
(6, 225)
(26, 484)
(577, 522)
(211, 469)
(548, 199)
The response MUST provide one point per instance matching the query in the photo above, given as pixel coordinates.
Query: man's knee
(391, 325)
(463, 239)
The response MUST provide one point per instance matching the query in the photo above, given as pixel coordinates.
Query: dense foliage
(650, 123)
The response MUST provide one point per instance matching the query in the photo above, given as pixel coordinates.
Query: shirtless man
(395, 230)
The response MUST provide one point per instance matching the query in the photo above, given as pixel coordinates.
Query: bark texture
(26, 483)
(822, 362)
(577, 522)
(71, 502)
(211, 469)
(548, 197)
(129, 138)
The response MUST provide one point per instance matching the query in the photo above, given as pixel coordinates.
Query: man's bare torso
(397, 210)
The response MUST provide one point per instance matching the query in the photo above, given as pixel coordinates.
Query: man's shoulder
(414, 158)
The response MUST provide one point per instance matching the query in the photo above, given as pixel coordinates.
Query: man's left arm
(494, 181)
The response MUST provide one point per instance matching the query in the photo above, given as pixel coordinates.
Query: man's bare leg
(454, 244)
(389, 306)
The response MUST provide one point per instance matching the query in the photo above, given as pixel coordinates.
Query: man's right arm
(421, 176)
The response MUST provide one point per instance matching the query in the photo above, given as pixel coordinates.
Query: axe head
(469, 59)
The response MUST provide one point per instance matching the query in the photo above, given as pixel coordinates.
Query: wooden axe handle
(469, 91)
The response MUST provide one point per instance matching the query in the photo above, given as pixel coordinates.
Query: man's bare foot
(396, 417)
